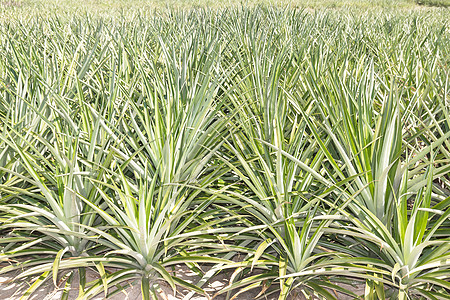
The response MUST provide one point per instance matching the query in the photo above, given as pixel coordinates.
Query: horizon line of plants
(299, 152)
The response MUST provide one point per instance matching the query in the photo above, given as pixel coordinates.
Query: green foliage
(439, 3)
(298, 150)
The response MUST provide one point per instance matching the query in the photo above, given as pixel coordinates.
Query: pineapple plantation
(296, 151)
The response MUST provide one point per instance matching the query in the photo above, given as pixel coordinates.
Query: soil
(12, 290)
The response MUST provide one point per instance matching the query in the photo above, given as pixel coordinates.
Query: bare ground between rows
(11, 289)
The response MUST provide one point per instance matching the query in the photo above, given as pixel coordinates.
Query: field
(296, 150)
